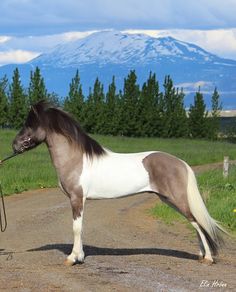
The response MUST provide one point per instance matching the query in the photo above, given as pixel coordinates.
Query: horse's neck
(64, 155)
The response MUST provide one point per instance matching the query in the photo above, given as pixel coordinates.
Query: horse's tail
(211, 229)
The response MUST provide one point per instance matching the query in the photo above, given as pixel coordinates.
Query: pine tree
(149, 108)
(74, 102)
(37, 90)
(214, 119)
(98, 98)
(54, 99)
(168, 106)
(174, 122)
(130, 99)
(3, 102)
(88, 110)
(18, 102)
(180, 121)
(198, 123)
(112, 110)
(94, 109)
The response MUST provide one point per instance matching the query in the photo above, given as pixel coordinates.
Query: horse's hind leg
(202, 250)
(169, 178)
(207, 258)
(77, 254)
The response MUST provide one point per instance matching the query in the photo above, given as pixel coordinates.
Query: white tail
(198, 209)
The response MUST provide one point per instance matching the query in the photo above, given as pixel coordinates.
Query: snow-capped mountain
(109, 53)
(113, 47)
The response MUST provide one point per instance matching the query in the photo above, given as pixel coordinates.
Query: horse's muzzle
(21, 146)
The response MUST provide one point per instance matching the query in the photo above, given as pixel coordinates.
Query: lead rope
(3, 216)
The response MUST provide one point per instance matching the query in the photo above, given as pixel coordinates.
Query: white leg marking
(77, 253)
(204, 242)
(202, 250)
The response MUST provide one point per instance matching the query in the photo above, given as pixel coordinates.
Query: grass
(219, 195)
(194, 152)
(30, 170)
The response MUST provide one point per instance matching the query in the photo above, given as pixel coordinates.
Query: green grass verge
(194, 152)
(219, 195)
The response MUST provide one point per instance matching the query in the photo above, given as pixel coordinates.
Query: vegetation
(133, 112)
(17, 102)
(197, 117)
(37, 89)
(31, 170)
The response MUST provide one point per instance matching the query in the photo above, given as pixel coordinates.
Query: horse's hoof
(200, 258)
(68, 263)
(207, 262)
(80, 262)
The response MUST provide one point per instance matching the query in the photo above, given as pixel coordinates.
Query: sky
(29, 27)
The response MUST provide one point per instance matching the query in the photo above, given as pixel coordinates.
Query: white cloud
(40, 43)
(221, 42)
(4, 39)
(188, 87)
(75, 35)
(17, 56)
(16, 50)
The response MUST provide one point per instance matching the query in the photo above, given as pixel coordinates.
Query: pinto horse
(86, 170)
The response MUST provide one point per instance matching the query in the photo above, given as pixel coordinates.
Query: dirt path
(127, 250)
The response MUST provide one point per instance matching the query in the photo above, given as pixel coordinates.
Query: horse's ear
(39, 107)
(34, 109)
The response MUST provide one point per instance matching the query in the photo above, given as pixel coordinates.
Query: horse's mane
(56, 120)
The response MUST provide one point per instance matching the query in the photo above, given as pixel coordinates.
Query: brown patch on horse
(77, 203)
(169, 179)
(68, 170)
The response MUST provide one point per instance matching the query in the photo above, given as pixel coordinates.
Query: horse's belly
(116, 177)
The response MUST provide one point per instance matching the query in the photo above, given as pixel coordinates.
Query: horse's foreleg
(77, 254)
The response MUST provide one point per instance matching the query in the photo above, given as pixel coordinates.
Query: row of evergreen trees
(135, 111)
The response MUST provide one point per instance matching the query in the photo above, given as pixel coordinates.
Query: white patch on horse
(77, 253)
(204, 242)
(114, 175)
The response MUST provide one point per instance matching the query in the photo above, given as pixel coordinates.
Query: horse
(86, 170)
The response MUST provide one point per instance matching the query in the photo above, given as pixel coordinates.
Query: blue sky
(29, 27)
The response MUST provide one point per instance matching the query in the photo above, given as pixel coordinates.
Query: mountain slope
(109, 53)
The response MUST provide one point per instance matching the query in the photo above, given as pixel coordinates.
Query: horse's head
(33, 133)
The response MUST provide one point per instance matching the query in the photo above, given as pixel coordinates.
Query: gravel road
(126, 249)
